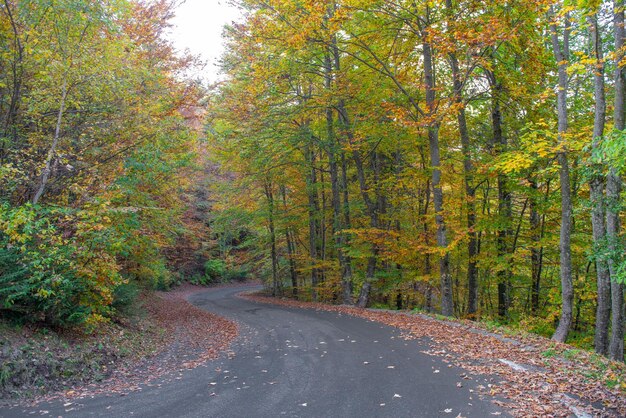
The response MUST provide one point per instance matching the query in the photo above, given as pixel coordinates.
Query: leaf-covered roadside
(556, 381)
(172, 336)
(35, 360)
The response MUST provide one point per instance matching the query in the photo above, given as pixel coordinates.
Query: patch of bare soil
(174, 335)
(536, 376)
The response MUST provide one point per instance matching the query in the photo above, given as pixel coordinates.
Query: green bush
(214, 269)
(235, 274)
(197, 279)
(40, 287)
(124, 298)
(201, 280)
(51, 272)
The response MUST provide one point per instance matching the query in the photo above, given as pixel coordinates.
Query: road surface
(297, 363)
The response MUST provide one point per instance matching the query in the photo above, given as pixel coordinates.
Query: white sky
(198, 27)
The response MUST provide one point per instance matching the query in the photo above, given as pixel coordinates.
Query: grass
(5, 373)
(549, 353)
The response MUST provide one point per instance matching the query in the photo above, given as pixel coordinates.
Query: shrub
(197, 279)
(214, 269)
(235, 274)
(54, 266)
(124, 298)
(535, 325)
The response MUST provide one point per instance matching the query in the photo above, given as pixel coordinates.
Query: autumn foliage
(94, 154)
(433, 155)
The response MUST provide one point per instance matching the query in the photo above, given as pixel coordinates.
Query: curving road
(298, 363)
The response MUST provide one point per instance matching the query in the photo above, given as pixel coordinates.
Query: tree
(562, 55)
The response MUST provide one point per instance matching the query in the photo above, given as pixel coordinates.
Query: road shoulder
(174, 335)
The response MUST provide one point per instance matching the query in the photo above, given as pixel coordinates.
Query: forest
(457, 157)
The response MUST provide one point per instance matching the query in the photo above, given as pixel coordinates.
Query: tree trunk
(470, 192)
(370, 206)
(596, 188)
(321, 233)
(505, 211)
(423, 199)
(291, 247)
(616, 345)
(536, 251)
(614, 184)
(276, 287)
(347, 274)
(53, 148)
(447, 305)
(313, 219)
(347, 284)
(17, 73)
(337, 183)
(567, 290)
(370, 272)
(366, 288)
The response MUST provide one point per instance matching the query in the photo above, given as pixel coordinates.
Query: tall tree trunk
(423, 200)
(53, 148)
(536, 251)
(347, 285)
(614, 185)
(470, 192)
(567, 290)
(616, 345)
(322, 228)
(596, 188)
(337, 183)
(347, 274)
(313, 219)
(370, 206)
(17, 73)
(343, 180)
(291, 247)
(447, 305)
(505, 210)
(269, 194)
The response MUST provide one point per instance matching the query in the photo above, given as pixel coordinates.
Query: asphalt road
(297, 363)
